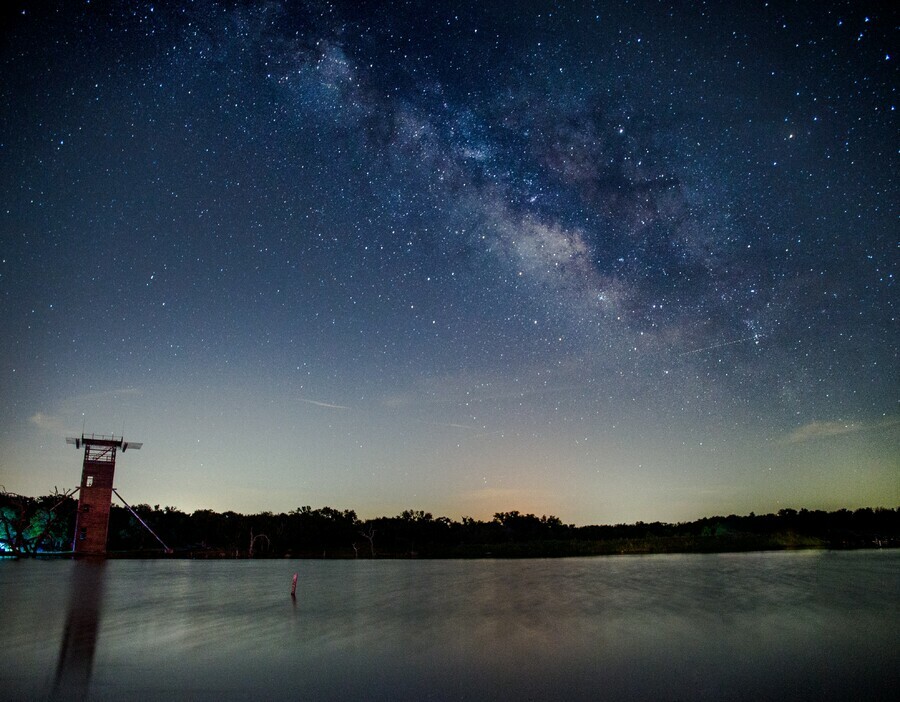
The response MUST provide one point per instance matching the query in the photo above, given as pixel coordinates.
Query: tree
(369, 535)
(253, 542)
(30, 525)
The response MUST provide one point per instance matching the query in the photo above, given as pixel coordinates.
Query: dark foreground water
(807, 625)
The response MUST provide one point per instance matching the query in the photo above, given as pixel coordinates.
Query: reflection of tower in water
(79, 639)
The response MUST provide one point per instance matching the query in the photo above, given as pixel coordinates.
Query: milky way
(615, 261)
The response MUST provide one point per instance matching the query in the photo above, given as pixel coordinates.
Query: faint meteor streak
(755, 337)
(322, 404)
(446, 424)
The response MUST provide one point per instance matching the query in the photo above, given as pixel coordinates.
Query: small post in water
(294, 586)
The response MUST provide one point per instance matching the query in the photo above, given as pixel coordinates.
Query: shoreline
(510, 551)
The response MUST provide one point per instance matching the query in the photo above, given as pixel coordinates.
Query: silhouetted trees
(32, 525)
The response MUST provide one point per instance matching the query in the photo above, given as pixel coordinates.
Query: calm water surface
(807, 625)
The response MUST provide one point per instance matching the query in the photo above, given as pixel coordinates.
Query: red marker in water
(294, 585)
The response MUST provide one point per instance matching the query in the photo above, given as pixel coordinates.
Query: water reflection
(79, 638)
(810, 626)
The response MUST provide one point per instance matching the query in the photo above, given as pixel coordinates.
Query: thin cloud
(47, 422)
(328, 405)
(820, 430)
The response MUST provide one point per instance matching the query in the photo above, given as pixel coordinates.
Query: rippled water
(807, 625)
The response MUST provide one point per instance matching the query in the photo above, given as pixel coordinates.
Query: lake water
(802, 625)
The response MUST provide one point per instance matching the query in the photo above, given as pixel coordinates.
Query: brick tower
(95, 496)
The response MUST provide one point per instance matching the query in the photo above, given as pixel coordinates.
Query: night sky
(613, 261)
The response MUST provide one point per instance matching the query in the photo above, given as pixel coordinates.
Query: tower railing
(100, 454)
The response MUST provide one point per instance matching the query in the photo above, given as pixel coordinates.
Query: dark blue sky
(613, 261)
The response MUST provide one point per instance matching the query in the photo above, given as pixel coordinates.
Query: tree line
(41, 525)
